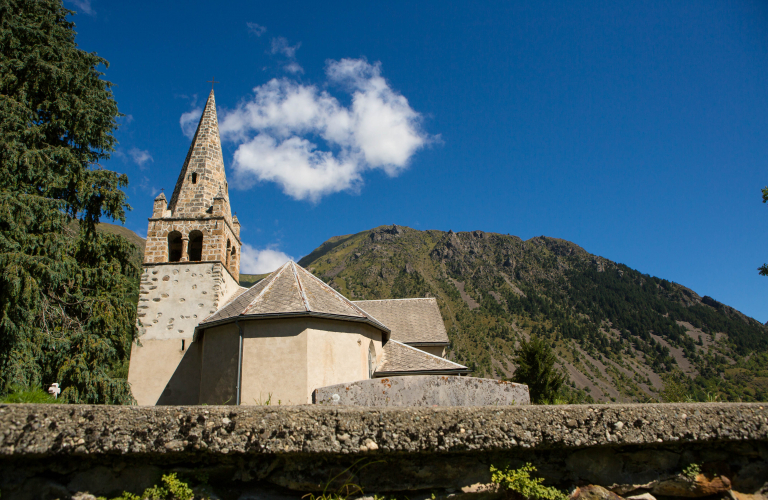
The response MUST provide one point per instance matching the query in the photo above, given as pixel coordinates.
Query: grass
(36, 395)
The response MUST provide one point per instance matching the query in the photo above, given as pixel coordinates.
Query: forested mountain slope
(621, 335)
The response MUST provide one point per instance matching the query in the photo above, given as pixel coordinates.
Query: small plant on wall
(520, 481)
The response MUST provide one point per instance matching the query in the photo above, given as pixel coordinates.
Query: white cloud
(147, 186)
(278, 127)
(255, 261)
(140, 157)
(189, 121)
(84, 6)
(280, 46)
(256, 29)
(293, 67)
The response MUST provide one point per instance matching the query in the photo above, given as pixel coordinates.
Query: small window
(194, 178)
(371, 360)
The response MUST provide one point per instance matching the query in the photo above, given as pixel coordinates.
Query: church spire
(202, 177)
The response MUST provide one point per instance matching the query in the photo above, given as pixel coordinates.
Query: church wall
(274, 361)
(161, 373)
(218, 375)
(173, 299)
(338, 352)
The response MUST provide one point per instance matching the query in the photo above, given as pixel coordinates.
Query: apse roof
(413, 321)
(291, 291)
(404, 359)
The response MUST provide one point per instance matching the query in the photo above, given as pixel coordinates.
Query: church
(204, 339)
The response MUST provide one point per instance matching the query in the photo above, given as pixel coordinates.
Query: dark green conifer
(65, 315)
(536, 368)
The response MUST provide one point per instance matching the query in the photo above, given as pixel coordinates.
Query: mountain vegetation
(618, 334)
(67, 291)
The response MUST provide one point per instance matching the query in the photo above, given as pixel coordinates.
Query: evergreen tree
(64, 312)
(536, 368)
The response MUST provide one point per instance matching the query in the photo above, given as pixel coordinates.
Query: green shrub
(172, 489)
(521, 482)
(692, 471)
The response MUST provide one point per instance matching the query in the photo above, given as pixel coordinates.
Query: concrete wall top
(182, 431)
(424, 390)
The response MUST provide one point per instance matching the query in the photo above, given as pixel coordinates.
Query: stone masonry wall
(204, 159)
(175, 297)
(216, 233)
(51, 451)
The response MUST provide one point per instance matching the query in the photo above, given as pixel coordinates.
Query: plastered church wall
(284, 360)
(174, 298)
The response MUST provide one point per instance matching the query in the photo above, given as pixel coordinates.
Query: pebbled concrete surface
(424, 390)
(38, 430)
(57, 451)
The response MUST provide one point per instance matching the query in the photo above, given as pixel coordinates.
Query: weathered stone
(700, 486)
(596, 465)
(594, 492)
(644, 496)
(752, 479)
(424, 390)
(106, 481)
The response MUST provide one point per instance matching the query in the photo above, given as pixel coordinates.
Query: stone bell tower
(191, 267)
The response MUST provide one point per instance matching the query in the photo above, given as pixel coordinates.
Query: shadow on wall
(184, 386)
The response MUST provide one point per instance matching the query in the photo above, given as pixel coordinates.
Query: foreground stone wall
(51, 451)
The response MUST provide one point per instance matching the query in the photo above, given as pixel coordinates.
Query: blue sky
(634, 129)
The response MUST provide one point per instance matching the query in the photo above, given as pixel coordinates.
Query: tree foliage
(64, 313)
(536, 368)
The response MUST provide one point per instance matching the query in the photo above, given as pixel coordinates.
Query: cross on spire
(212, 81)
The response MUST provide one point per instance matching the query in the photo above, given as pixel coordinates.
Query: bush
(172, 489)
(521, 482)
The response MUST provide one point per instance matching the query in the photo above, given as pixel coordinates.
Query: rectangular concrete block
(424, 390)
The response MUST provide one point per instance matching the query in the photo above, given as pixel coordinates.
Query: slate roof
(403, 359)
(412, 321)
(291, 291)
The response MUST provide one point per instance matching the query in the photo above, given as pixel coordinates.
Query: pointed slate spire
(202, 177)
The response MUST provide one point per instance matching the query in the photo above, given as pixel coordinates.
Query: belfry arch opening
(195, 246)
(233, 260)
(174, 246)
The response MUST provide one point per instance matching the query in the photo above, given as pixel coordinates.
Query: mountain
(621, 335)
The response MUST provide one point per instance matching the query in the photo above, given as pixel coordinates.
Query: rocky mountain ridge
(619, 334)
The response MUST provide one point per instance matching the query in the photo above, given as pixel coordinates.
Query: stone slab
(424, 390)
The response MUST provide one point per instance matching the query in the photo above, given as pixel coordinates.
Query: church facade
(204, 339)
